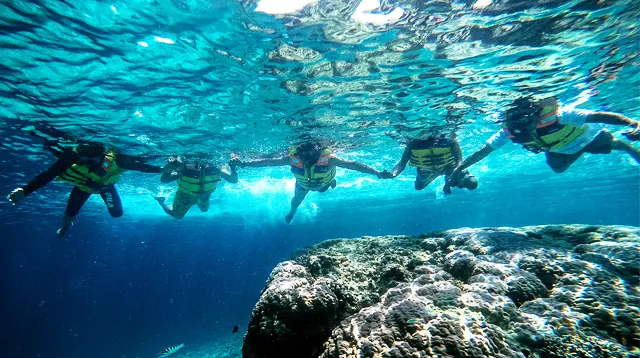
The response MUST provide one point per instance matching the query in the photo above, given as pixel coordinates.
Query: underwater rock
(460, 264)
(433, 244)
(544, 291)
(292, 306)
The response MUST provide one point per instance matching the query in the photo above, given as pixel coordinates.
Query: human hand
(385, 174)
(173, 163)
(453, 179)
(174, 159)
(447, 189)
(633, 134)
(16, 196)
(236, 162)
(168, 169)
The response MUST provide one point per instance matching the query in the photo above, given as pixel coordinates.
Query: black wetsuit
(78, 197)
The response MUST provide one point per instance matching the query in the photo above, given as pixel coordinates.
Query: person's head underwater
(200, 160)
(523, 115)
(309, 153)
(90, 153)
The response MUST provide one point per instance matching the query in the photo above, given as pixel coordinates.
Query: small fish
(235, 329)
(170, 350)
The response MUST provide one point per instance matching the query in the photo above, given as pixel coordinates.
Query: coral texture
(544, 291)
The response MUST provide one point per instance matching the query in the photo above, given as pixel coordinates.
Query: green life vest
(95, 178)
(436, 158)
(318, 176)
(199, 180)
(549, 133)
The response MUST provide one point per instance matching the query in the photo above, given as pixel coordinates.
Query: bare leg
(181, 203)
(559, 162)
(203, 202)
(298, 197)
(424, 178)
(167, 209)
(627, 147)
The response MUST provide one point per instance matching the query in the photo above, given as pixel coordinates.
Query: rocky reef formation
(544, 291)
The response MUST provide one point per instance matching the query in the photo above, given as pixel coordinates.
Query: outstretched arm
(230, 177)
(406, 155)
(169, 177)
(457, 152)
(578, 117)
(171, 172)
(264, 163)
(617, 119)
(48, 175)
(359, 167)
(610, 118)
(62, 164)
(129, 162)
(496, 141)
(454, 178)
(476, 157)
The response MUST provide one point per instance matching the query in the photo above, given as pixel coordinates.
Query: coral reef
(544, 291)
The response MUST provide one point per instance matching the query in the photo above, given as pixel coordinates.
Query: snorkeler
(314, 168)
(434, 156)
(92, 169)
(563, 135)
(197, 179)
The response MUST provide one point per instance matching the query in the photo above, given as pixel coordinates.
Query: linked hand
(385, 174)
(633, 134)
(447, 189)
(236, 162)
(166, 170)
(16, 196)
(173, 163)
(453, 179)
(169, 168)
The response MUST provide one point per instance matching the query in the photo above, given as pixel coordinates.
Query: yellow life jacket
(95, 178)
(435, 158)
(318, 176)
(549, 133)
(199, 180)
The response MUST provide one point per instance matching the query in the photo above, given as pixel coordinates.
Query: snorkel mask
(523, 116)
(90, 152)
(309, 153)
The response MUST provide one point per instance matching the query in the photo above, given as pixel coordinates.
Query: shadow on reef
(545, 291)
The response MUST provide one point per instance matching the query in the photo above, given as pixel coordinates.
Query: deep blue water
(102, 297)
(166, 77)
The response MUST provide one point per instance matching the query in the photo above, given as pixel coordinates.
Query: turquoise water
(157, 78)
